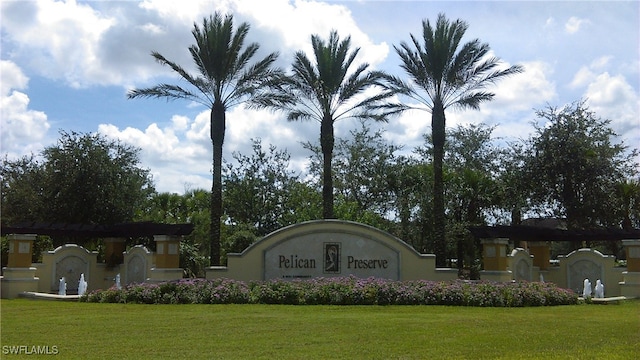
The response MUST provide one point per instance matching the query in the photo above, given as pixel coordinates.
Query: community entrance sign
(327, 248)
(331, 253)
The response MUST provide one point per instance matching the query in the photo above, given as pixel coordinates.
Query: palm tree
(445, 75)
(629, 195)
(326, 91)
(224, 80)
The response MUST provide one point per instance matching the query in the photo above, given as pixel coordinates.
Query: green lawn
(129, 331)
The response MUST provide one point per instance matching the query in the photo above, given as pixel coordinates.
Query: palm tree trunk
(438, 135)
(326, 143)
(218, 119)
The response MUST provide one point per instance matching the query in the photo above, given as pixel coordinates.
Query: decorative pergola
(495, 240)
(115, 235)
(537, 233)
(135, 229)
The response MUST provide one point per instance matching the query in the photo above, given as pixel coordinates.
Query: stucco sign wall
(328, 248)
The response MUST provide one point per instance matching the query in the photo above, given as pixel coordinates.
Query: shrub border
(339, 291)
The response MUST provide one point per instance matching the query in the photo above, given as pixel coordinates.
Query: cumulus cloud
(612, 97)
(272, 128)
(409, 128)
(12, 77)
(587, 73)
(169, 153)
(70, 48)
(526, 90)
(22, 128)
(295, 22)
(574, 24)
(108, 43)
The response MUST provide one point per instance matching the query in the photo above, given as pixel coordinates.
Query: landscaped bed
(339, 291)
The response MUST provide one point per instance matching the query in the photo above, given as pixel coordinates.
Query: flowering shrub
(339, 291)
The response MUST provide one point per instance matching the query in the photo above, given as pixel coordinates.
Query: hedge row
(339, 291)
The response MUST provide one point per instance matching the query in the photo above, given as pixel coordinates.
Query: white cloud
(108, 43)
(12, 77)
(582, 77)
(184, 147)
(272, 128)
(601, 62)
(611, 97)
(526, 90)
(549, 23)
(516, 99)
(574, 24)
(152, 29)
(22, 128)
(158, 144)
(176, 161)
(60, 39)
(184, 12)
(586, 74)
(296, 21)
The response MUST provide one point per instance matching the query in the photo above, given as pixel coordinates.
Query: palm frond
(472, 100)
(170, 92)
(296, 115)
(224, 74)
(444, 70)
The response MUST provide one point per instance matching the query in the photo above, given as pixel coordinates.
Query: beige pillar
(494, 257)
(630, 285)
(494, 254)
(632, 248)
(541, 252)
(167, 259)
(20, 250)
(19, 275)
(167, 251)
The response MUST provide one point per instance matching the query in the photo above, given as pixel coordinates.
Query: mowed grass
(130, 331)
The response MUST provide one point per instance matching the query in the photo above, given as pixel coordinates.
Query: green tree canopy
(84, 179)
(576, 165)
(191, 207)
(258, 189)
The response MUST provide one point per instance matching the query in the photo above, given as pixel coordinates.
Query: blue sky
(67, 65)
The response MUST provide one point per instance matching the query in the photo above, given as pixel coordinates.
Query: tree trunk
(326, 143)
(438, 135)
(218, 119)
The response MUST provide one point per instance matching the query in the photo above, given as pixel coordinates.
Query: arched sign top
(327, 248)
(330, 226)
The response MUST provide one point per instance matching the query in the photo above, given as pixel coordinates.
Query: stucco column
(20, 250)
(541, 252)
(494, 254)
(167, 259)
(632, 248)
(167, 251)
(19, 275)
(630, 285)
(494, 257)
